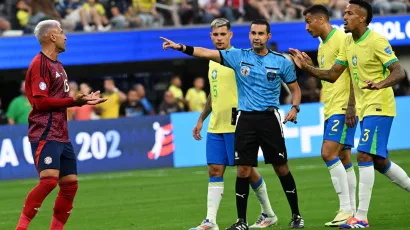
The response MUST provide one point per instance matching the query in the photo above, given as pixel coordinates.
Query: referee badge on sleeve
(245, 71)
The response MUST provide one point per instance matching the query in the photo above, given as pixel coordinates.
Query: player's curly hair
(365, 5)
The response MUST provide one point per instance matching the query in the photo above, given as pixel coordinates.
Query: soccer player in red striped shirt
(47, 90)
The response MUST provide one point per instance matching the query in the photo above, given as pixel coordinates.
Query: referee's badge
(245, 71)
(271, 75)
(214, 74)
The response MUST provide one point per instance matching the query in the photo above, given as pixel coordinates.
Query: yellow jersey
(368, 59)
(196, 99)
(110, 108)
(335, 96)
(177, 93)
(224, 95)
(100, 8)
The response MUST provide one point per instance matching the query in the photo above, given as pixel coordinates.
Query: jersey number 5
(215, 90)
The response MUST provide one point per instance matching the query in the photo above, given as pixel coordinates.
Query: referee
(258, 73)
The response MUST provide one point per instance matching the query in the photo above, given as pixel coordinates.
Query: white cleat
(265, 221)
(341, 218)
(206, 225)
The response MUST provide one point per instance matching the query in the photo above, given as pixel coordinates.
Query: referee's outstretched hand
(291, 116)
(169, 44)
(196, 133)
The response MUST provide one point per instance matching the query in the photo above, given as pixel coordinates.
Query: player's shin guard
(340, 184)
(262, 195)
(366, 182)
(352, 181)
(289, 186)
(34, 200)
(63, 204)
(397, 175)
(242, 193)
(215, 192)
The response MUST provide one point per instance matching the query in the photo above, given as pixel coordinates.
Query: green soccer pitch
(175, 199)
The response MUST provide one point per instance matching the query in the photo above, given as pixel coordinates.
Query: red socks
(34, 200)
(63, 204)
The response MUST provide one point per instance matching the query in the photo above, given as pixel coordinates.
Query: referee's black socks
(242, 193)
(289, 187)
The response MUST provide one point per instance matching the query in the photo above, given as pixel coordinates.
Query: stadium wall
(165, 141)
(145, 45)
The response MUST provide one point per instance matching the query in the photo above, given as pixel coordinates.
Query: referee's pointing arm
(198, 52)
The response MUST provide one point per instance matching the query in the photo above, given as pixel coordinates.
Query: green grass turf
(175, 199)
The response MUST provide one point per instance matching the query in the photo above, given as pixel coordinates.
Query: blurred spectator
(23, 13)
(85, 112)
(187, 11)
(144, 13)
(144, 101)
(268, 9)
(65, 7)
(19, 108)
(196, 96)
(41, 10)
(168, 105)
(338, 7)
(212, 9)
(3, 118)
(73, 86)
(294, 8)
(169, 11)
(311, 93)
(111, 108)
(133, 106)
(4, 17)
(118, 20)
(391, 6)
(176, 91)
(238, 9)
(90, 12)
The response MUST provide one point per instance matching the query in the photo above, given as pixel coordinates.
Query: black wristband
(189, 50)
(182, 47)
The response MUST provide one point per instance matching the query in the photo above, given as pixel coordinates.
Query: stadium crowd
(19, 17)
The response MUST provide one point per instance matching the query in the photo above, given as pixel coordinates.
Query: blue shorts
(54, 155)
(375, 135)
(336, 130)
(220, 148)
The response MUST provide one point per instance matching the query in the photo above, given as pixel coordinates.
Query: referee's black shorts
(262, 129)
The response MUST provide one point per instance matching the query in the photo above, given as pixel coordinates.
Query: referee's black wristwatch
(296, 107)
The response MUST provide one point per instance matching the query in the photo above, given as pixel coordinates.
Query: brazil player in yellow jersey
(375, 69)
(222, 101)
(338, 136)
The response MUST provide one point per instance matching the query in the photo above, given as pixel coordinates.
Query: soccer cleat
(341, 218)
(265, 221)
(354, 223)
(239, 225)
(296, 222)
(206, 225)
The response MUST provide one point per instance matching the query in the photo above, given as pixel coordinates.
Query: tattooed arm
(396, 75)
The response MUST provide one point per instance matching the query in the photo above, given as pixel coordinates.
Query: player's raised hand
(308, 60)
(351, 116)
(169, 44)
(291, 116)
(371, 85)
(95, 98)
(196, 133)
(82, 99)
(298, 58)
